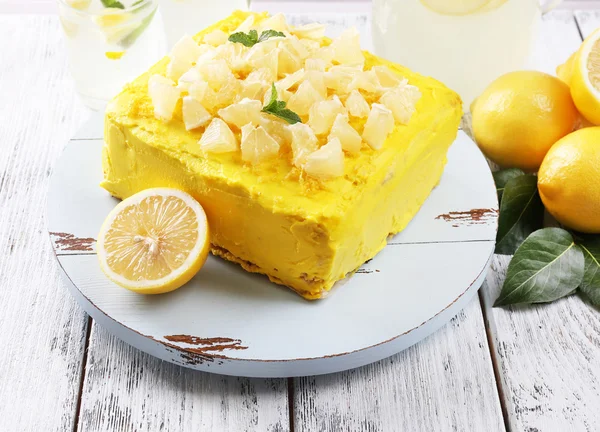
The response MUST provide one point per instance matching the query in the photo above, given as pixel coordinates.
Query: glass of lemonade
(464, 43)
(181, 17)
(110, 42)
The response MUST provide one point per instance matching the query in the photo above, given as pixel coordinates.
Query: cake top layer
(281, 112)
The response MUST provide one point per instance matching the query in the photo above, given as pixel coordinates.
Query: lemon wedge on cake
(154, 241)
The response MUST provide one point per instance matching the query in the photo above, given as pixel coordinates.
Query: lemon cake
(306, 153)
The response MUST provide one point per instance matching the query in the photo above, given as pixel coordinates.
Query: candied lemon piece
(188, 78)
(304, 142)
(277, 128)
(290, 80)
(327, 162)
(365, 80)
(289, 61)
(260, 56)
(218, 138)
(338, 78)
(252, 90)
(316, 64)
(312, 46)
(185, 52)
(309, 31)
(154, 241)
(305, 97)
(296, 47)
(261, 75)
(276, 22)
(242, 113)
(357, 105)
(257, 145)
(202, 92)
(386, 77)
(235, 56)
(228, 92)
(216, 73)
(216, 37)
(346, 48)
(164, 96)
(378, 126)
(317, 79)
(349, 138)
(325, 54)
(322, 115)
(194, 114)
(402, 102)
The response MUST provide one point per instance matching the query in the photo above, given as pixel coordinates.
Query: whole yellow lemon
(569, 180)
(520, 116)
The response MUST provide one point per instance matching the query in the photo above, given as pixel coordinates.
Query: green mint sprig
(251, 38)
(113, 4)
(278, 108)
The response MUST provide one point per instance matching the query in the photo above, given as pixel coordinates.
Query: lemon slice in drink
(457, 7)
(154, 241)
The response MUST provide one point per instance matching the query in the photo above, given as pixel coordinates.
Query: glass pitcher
(466, 44)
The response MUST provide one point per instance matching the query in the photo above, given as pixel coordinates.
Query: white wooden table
(519, 369)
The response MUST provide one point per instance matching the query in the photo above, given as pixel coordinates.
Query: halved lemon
(585, 82)
(154, 241)
(457, 7)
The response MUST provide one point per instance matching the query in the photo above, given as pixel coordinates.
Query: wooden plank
(43, 331)
(128, 390)
(547, 355)
(445, 383)
(588, 21)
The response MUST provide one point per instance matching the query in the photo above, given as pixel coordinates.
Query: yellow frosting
(271, 218)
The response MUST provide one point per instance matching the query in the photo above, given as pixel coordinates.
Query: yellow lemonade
(464, 43)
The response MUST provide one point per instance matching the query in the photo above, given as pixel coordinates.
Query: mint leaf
(278, 108)
(547, 266)
(502, 177)
(251, 38)
(267, 34)
(112, 4)
(272, 100)
(288, 115)
(521, 213)
(248, 40)
(590, 286)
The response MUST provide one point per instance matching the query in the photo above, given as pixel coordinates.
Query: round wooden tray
(232, 322)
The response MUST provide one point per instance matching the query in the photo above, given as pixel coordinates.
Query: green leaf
(591, 276)
(278, 108)
(547, 266)
(288, 115)
(251, 38)
(267, 34)
(248, 40)
(521, 213)
(112, 4)
(502, 177)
